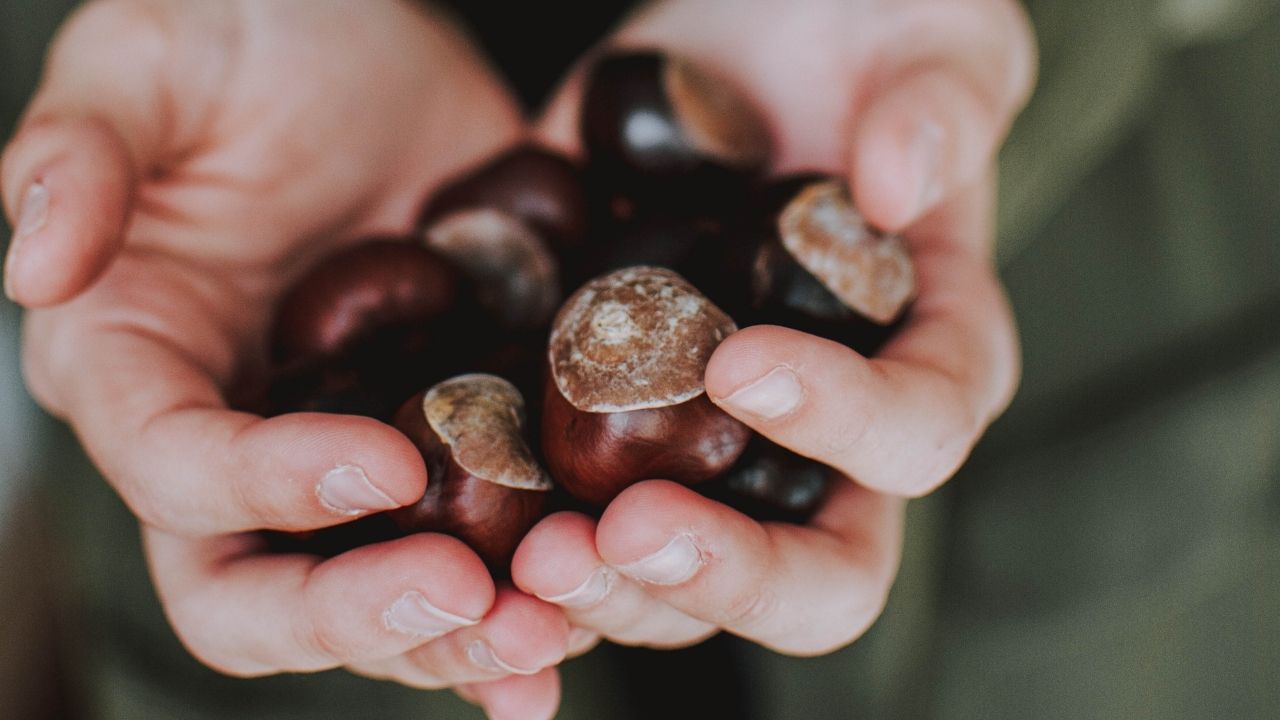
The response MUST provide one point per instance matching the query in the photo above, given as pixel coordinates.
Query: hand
(910, 101)
(193, 159)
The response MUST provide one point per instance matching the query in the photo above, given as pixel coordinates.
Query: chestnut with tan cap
(868, 271)
(634, 339)
(483, 484)
(625, 401)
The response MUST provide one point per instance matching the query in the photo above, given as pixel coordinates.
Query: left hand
(910, 101)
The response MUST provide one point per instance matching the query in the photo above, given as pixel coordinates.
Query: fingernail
(591, 591)
(772, 396)
(927, 160)
(347, 490)
(31, 217)
(414, 615)
(675, 563)
(484, 657)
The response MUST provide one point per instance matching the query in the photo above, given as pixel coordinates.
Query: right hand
(180, 165)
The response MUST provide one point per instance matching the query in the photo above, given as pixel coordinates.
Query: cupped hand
(180, 165)
(910, 101)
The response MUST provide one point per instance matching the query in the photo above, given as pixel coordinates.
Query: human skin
(910, 101)
(195, 158)
(190, 159)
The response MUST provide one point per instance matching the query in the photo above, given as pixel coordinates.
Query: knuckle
(753, 606)
(255, 514)
(422, 666)
(322, 642)
(148, 507)
(843, 438)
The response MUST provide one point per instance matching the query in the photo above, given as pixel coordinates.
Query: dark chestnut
(625, 399)
(349, 295)
(364, 329)
(820, 268)
(483, 484)
(771, 483)
(536, 186)
(516, 277)
(372, 378)
(689, 246)
(662, 128)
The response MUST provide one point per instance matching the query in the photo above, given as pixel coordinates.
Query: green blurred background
(1111, 551)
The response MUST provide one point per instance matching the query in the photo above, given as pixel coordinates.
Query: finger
(521, 635)
(951, 76)
(904, 421)
(798, 590)
(519, 697)
(93, 129)
(246, 613)
(71, 181)
(154, 422)
(557, 561)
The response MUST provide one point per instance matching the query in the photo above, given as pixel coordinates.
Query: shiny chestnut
(816, 265)
(516, 277)
(625, 399)
(662, 130)
(689, 246)
(771, 483)
(483, 484)
(534, 185)
(363, 329)
(354, 292)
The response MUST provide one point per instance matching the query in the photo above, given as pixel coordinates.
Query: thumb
(935, 124)
(69, 174)
(922, 140)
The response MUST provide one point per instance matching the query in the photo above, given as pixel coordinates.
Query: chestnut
(771, 483)
(367, 287)
(820, 268)
(534, 185)
(661, 129)
(689, 246)
(362, 331)
(372, 378)
(516, 277)
(483, 484)
(869, 271)
(625, 399)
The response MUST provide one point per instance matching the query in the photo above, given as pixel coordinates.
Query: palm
(245, 139)
(281, 149)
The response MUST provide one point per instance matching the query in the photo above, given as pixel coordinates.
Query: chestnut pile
(668, 239)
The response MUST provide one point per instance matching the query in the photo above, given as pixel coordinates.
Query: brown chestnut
(625, 399)
(661, 129)
(534, 185)
(367, 287)
(483, 484)
(516, 277)
(362, 331)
